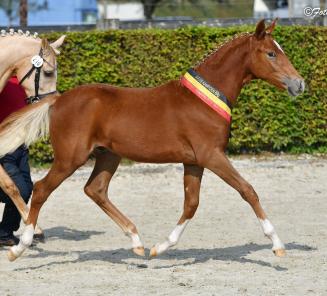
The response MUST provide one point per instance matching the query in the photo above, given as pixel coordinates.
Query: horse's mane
(234, 40)
(12, 32)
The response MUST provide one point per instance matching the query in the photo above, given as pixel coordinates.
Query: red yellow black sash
(208, 94)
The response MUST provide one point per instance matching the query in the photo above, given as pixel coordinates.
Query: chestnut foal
(185, 121)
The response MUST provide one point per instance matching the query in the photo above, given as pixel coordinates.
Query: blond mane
(11, 32)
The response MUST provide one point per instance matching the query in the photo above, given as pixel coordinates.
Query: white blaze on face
(279, 47)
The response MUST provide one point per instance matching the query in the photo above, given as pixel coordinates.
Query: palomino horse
(185, 121)
(16, 51)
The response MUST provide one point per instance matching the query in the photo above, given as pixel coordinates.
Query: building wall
(297, 7)
(122, 11)
(58, 12)
(268, 9)
(293, 8)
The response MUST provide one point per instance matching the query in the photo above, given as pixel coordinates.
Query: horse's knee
(190, 208)
(95, 193)
(248, 193)
(91, 191)
(40, 195)
(192, 201)
(10, 188)
(190, 211)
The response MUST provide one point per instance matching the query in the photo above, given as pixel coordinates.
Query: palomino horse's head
(269, 62)
(47, 79)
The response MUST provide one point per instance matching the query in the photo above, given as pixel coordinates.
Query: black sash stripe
(216, 92)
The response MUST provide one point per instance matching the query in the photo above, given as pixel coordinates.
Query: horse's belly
(154, 152)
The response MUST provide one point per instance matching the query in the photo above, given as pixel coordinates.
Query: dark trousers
(17, 167)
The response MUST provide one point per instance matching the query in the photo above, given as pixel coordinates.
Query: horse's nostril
(294, 85)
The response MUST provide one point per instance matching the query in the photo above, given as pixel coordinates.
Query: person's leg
(16, 165)
(24, 168)
(6, 237)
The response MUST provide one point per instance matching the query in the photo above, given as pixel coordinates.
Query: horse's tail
(25, 126)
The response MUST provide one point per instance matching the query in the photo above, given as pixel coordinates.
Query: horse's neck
(226, 69)
(12, 50)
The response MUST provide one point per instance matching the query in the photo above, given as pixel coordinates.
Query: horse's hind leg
(9, 187)
(221, 166)
(192, 182)
(59, 171)
(97, 189)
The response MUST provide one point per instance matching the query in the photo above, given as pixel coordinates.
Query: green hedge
(265, 119)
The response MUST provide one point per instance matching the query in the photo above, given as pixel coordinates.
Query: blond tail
(25, 126)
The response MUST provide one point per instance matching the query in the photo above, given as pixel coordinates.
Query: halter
(214, 98)
(37, 64)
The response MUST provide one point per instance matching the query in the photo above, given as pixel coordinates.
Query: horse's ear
(55, 45)
(260, 30)
(272, 26)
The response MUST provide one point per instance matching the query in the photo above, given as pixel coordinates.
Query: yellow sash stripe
(210, 95)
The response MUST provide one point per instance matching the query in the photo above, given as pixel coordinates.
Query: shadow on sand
(119, 256)
(65, 233)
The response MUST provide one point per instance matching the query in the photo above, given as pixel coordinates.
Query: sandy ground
(222, 252)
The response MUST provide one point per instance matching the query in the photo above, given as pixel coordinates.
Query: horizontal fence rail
(167, 24)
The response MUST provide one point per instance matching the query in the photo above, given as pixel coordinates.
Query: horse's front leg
(221, 166)
(9, 187)
(192, 183)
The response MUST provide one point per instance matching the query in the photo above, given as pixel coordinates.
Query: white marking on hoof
(172, 240)
(27, 236)
(269, 231)
(26, 240)
(136, 241)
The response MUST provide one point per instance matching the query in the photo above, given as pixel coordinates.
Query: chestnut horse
(16, 52)
(171, 123)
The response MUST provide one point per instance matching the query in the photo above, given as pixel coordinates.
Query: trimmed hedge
(265, 119)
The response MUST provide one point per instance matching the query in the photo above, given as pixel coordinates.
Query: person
(12, 98)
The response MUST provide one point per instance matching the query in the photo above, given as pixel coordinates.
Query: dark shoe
(38, 238)
(9, 240)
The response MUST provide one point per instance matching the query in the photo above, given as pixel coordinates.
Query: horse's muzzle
(294, 86)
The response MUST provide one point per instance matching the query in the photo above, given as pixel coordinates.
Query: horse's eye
(271, 54)
(48, 73)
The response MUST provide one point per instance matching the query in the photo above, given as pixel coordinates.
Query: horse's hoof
(139, 251)
(11, 256)
(153, 252)
(38, 231)
(279, 252)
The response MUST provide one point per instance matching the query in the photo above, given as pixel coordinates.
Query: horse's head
(269, 62)
(46, 60)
